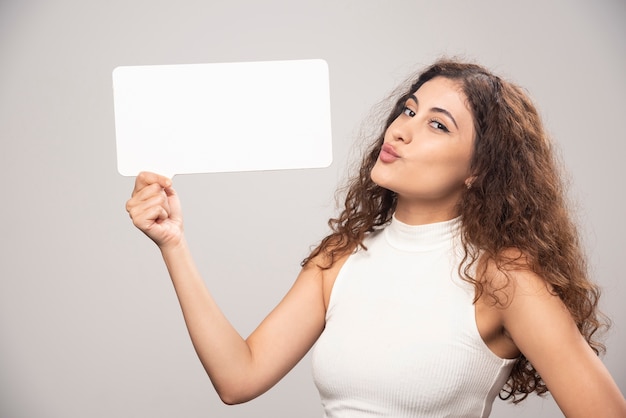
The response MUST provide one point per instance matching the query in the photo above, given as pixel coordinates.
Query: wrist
(173, 246)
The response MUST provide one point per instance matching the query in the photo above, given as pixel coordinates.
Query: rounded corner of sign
(322, 65)
(322, 61)
(327, 162)
(124, 172)
(116, 72)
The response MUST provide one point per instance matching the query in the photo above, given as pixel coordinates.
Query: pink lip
(388, 154)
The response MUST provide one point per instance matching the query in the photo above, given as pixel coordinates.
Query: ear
(469, 181)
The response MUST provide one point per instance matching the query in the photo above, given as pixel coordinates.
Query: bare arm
(239, 369)
(544, 331)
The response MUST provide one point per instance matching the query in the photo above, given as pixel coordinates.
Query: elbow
(238, 387)
(229, 401)
(232, 398)
(234, 394)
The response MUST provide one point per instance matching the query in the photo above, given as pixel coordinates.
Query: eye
(438, 125)
(408, 112)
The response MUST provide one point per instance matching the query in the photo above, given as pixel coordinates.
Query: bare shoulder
(522, 295)
(498, 284)
(509, 291)
(326, 267)
(542, 328)
(510, 278)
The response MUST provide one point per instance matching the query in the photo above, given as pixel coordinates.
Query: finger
(139, 205)
(157, 199)
(141, 196)
(148, 192)
(146, 178)
(169, 191)
(173, 202)
(151, 216)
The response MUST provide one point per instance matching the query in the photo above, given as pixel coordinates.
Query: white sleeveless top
(401, 337)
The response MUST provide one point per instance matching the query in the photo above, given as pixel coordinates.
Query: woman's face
(426, 153)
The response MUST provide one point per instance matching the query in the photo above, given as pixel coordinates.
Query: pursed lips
(388, 154)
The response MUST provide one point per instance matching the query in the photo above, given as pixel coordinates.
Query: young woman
(452, 275)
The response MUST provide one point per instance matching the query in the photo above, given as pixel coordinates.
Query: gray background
(89, 323)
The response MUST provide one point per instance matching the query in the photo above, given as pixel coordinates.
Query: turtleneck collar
(426, 237)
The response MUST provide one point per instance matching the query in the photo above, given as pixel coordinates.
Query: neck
(421, 213)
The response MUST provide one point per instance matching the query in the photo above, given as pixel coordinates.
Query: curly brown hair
(516, 201)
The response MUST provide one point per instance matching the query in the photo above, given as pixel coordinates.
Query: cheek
(461, 161)
(442, 155)
(465, 160)
(443, 165)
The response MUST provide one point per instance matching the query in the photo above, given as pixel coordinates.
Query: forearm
(224, 354)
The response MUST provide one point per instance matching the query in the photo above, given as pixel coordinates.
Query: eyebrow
(437, 109)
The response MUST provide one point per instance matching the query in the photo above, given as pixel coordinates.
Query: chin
(376, 176)
(380, 179)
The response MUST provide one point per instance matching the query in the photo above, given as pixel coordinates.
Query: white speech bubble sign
(209, 118)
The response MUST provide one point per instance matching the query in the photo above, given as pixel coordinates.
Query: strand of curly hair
(516, 201)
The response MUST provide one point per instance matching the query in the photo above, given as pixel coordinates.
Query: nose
(400, 130)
